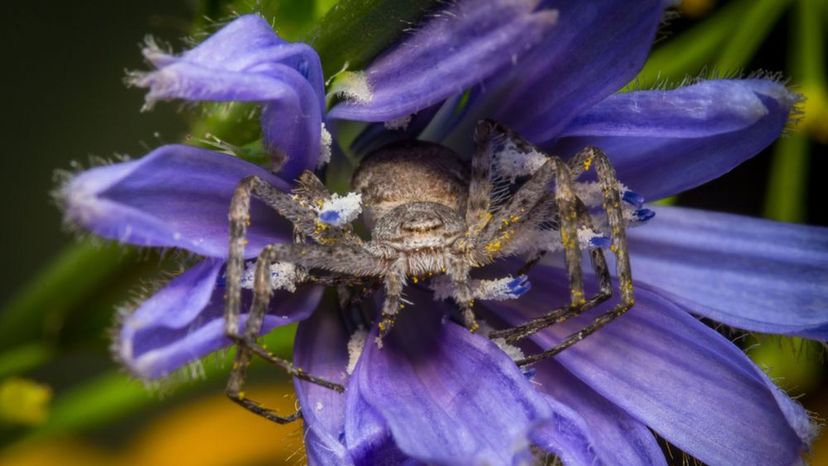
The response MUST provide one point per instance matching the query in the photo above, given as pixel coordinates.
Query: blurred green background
(62, 399)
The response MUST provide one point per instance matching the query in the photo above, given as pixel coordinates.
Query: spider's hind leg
(612, 205)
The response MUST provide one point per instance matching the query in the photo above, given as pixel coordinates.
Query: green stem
(750, 30)
(688, 54)
(785, 199)
(76, 274)
(809, 41)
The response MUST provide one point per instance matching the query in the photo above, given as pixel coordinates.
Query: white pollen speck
(486, 290)
(319, 406)
(340, 210)
(512, 162)
(398, 124)
(355, 346)
(325, 142)
(512, 351)
(282, 276)
(354, 86)
(585, 235)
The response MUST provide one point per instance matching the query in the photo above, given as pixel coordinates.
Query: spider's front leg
(612, 205)
(561, 314)
(458, 273)
(305, 221)
(247, 346)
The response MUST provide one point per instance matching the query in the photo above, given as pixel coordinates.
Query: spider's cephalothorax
(431, 213)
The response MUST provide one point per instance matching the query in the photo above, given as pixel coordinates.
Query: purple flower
(436, 393)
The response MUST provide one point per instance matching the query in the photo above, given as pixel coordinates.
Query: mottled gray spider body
(430, 213)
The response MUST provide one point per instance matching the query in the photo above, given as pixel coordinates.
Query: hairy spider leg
(248, 345)
(480, 183)
(340, 259)
(561, 314)
(304, 220)
(612, 206)
(578, 164)
(394, 282)
(458, 272)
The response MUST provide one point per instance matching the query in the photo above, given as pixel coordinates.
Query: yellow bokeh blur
(208, 431)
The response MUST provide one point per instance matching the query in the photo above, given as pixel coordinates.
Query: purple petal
(321, 349)
(175, 196)
(753, 274)
(606, 434)
(681, 378)
(448, 396)
(461, 46)
(184, 321)
(597, 47)
(246, 61)
(665, 142)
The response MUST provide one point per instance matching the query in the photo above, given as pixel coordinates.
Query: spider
(430, 213)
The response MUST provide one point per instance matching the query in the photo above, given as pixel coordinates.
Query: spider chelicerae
(430, 213)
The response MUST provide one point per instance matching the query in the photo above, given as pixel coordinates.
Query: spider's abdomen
(411, 171)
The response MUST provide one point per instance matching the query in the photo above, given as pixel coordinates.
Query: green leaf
(689, 53)
(355, 31)
(74, 277)
(24, 358)
(748, 33)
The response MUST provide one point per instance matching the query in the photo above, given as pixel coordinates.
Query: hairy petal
(245, 61)
(321, 349)
(461, 46)
(665, 142)
(448, 396)
(750, 273)
(675, 374)
(597, 47)
(184, 321)
(175, 196)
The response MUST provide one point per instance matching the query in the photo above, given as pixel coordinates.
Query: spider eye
(422, 225)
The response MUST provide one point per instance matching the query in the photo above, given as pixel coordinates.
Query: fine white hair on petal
(399, 123)
(326, 140)
(340, 210)
(282, 276)
(355, 346)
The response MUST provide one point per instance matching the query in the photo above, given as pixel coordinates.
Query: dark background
(64, 100)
